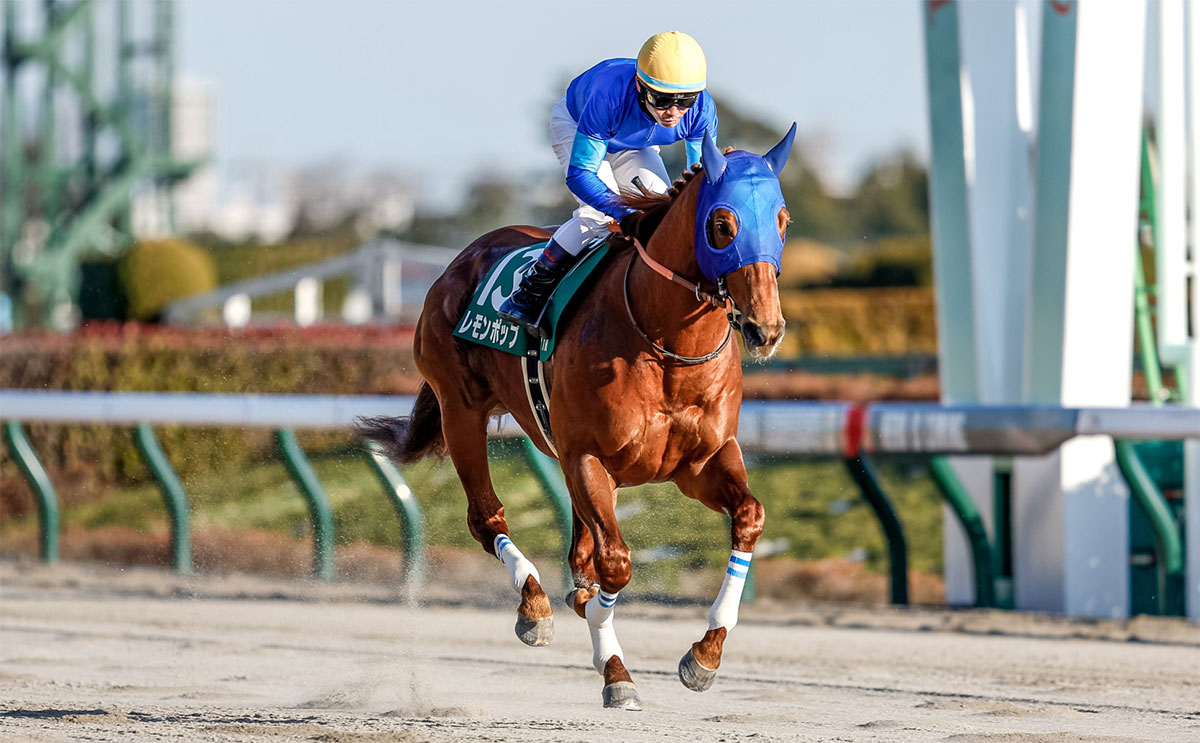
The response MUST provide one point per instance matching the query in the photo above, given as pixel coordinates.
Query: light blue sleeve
(709, 123)
(587, 153)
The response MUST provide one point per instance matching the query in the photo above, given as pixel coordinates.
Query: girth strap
(535, 390)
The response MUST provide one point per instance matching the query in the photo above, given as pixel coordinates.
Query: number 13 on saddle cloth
(482, 324)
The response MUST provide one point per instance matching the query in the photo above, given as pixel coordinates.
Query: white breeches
(617, 172)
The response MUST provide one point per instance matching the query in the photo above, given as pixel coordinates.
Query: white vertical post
(1000, 194)
(308, 301)
(1070, 509)
(1192, 446)
(1171, 191)
(393, 302)
(952, 151)
(949, 221)
(236, 311)
(978, 66)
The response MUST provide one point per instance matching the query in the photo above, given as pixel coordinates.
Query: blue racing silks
(604, 103)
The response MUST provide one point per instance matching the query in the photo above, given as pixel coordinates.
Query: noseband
(720, 298)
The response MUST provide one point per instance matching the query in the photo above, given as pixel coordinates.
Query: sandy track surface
(88, 653)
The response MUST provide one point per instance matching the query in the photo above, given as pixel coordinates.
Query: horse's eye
(722, 228)
(785, 220)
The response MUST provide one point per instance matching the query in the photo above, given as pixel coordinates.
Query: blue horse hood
(750, 190)
(747, 185)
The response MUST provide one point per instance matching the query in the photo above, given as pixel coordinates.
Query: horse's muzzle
(762, 340)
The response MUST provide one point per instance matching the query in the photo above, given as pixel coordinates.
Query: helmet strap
(641, 99)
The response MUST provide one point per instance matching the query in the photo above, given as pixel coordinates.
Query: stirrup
(517, 314)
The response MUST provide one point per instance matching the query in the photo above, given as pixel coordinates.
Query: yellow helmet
(672, 62)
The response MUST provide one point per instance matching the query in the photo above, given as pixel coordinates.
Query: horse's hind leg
(582, 571)
(465, 431)
(592, 496)
(721, 485)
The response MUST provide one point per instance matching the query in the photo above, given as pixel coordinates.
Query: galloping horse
(644, 387)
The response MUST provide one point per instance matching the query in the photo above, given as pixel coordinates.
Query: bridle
(720, 299)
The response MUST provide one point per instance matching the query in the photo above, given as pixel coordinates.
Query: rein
(720, 299)
(716, 300)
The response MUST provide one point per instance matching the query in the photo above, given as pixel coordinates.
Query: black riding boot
(525, 306)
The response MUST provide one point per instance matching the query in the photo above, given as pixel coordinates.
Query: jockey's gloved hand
(627, 225)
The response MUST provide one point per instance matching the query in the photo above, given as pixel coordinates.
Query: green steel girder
(50, 43)
(77, 227)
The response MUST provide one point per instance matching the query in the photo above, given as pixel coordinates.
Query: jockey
(606, 131)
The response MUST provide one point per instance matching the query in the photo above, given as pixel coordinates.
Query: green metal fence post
(39, 483)
(548, 474)
(964, 508)
(1002, 532)
(1171, 581)
(862, 469)
(408, 511)
(318, 504)
(173, 495)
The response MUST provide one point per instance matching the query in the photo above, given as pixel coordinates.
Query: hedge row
(134, 358)
(859, 322)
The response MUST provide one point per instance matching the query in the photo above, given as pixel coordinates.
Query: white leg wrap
(724, 611)
(519, 568)
(599, 613)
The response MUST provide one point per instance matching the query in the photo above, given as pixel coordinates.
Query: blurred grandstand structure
(90, 150)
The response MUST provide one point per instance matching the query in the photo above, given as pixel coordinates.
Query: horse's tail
(410, 438)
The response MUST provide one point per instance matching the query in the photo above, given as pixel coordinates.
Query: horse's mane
(651, 209)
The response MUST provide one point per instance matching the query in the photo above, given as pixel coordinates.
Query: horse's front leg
(721, 485)
(583, 572)
(593, 496)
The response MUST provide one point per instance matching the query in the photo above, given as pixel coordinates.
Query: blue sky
(443, 89)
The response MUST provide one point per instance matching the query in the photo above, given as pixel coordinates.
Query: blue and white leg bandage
(519, 567)
(599, 613)
(724, 611)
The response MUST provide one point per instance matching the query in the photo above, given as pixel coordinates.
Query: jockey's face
(667, 117)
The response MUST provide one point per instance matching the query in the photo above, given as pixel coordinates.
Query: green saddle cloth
(481, 322)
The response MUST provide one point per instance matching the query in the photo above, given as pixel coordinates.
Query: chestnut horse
(644, 387)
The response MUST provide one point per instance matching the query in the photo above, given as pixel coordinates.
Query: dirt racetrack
(90, 653)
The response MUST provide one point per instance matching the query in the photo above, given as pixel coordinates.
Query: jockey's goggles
(663, 101)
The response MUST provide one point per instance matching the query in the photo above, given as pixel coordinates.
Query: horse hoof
(622, 695)
(535, 632)
(693, 675)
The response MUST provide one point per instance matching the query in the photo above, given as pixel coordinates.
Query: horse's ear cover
(748, 185)
(778, 156)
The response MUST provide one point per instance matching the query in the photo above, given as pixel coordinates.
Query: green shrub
(893, 261)
(140, 358)
(157, 272)
(858, 322)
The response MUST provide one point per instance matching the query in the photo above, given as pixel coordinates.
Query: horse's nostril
(754, 334)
